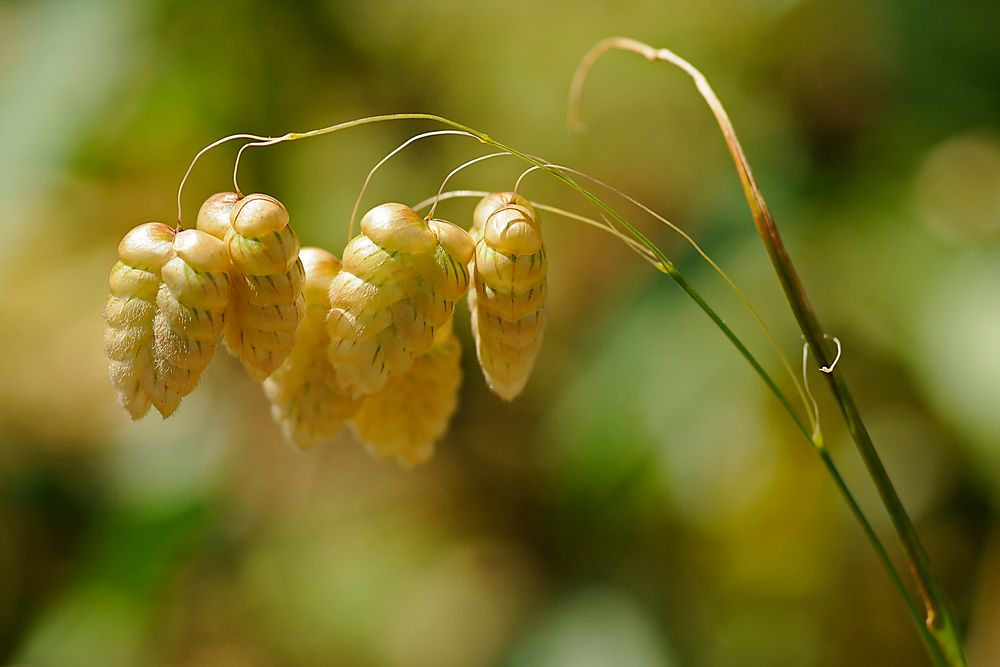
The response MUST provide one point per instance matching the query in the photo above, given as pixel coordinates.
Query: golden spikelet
(399, 283)
(267, 304)
(305, 398)
(165, 314)
(191, 306)
(508, 300)
(410, 414)
(130, 310)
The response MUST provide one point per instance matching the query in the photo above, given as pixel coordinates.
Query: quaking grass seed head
(129, 311)
(409, 415)
(267, 304)
(399, 282)
(191, 305)
(507, 302)
(306, 400)
(165, 314)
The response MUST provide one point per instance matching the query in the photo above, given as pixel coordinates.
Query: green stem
(940, 622)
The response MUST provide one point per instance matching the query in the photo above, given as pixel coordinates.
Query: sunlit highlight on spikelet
(508, 298)
(305, 398)
(410, 414)
(267, 304)
(399, 283)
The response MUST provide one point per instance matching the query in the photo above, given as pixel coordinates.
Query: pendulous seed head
(399, 282)
(191, 305)
(129, 312)
(267, 303)
(165, 314)
(508, 298)
(306, 400)
(405, 419)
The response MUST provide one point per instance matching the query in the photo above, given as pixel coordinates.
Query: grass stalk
(939, 620)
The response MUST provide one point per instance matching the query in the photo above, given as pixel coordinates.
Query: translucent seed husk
(267, 304)
(191, 306)
(306, 400)
(165, 313)
(407, 417)
(399, 283)
(508, 298)
(130, 309)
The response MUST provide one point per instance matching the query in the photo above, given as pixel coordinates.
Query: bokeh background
(645, 502)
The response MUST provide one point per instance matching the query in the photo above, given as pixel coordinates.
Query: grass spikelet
(399, 283)
(306, 400)
(508, 300)
(407, 417)
(267, 304)
(130, 311)
(191, 305)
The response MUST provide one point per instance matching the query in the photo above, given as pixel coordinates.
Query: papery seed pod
(305, 398)
(508, 298)
(399, 283)
(191, 305)
(267, 304)
(410, 414)
(130, 311)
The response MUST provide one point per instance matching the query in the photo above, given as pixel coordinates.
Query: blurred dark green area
(646, 501)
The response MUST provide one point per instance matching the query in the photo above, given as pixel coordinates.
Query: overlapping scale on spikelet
(130, 310)
(267, 303)
(407, 417)
(165, 314)
(398, 284)
(191, 306)
(508, 297)
(305, 398)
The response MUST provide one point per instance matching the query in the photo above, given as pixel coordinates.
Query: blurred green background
(645, 502)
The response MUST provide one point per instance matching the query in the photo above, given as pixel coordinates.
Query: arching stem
(194, 161)
(939, 619)
(378, 165)
(464, 165)
(811, 412)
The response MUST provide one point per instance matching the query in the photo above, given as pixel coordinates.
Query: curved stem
(445, 196)
(239, 156)
(368, 178)
(194, 161)
(639, 249)
(939, 621)
(469, 163)
(517, 183)
(811, 412)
